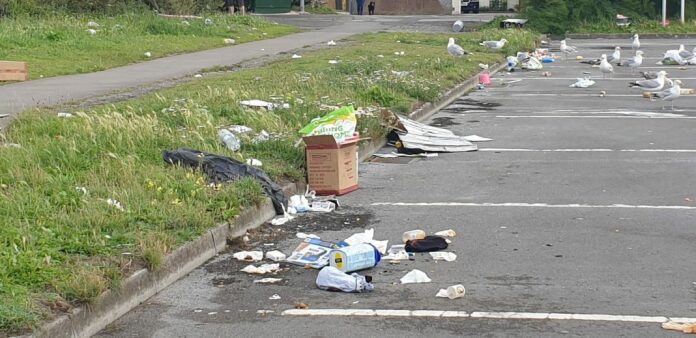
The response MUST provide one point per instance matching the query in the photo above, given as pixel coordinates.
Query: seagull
(668, 94)
(633, 62)
(651, 85)
(567, 49)
(455, 49)
(649, 75)
(494, 44)
(616, 56)
(606, 67)
(636, 42)
(685, 54)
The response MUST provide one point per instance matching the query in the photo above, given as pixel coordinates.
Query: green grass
(60, 45)
(55, 233)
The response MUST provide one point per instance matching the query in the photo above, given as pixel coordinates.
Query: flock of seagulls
(457, 50)
(655, 83)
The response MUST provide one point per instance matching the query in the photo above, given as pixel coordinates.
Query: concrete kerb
(367, 149)
(86, 321)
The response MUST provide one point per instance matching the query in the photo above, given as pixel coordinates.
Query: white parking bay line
(532, 205)
(483, 314)
(591, 150)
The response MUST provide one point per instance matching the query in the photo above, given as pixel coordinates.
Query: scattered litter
(444, 256)
(299, 203)
(532, 64)
(280, 220)
(302, 235)
(198, 76)
(275, 256)
(295, 56)
(312, 252)
(397, 253)
(229, 41)
(220, 169)
(264, 104)
(230, 140)
(579, 57)
(92, 24)
(114, 203)
(340, 124)
(263, 135)
(65, 115)
(248, 256)
(452, 292)
(683, 327)
(380, 56)
(394, 155)
(83, 190)
(427, 244)
(92, 32)
(333, 62)
(483, 66)
(333, 279)
(476, 138)
(602, 94)
(264, 312)
(412, 234)
(148, 54)
(354, 257)
(446, 233)
(274, 297)
(368, 237)
(197, 310)
(413, 137)
(457, 26)
(268, 280)
(262, 269)
(208, 21)
(331, 43)
(546, 74)
(415, 276)
(239, 129)
(322, 206)
(583, 83)
(4, 115)
(254, 162)
(212, 313)
(301, 306)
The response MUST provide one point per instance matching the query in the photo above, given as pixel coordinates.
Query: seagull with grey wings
(668, 95)
(652, 85)
(494, 44)
(633, 62)
(455, 49)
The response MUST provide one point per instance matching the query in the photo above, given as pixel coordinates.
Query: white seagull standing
(636, 42)
(605, 67)
(616, 56)
(634, 62)
(651, 85)
(565, 49)
(668, 94)
(455, 49)
(494, 44)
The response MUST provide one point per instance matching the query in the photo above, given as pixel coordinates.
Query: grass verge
(87, 197)
(61, 45)
(637, 26)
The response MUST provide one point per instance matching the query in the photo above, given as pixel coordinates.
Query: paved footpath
(578, 219)
(57, 90)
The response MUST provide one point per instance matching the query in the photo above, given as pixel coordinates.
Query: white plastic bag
(415, 276)
(332, 279)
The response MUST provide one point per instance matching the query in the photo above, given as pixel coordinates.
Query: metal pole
(682, 10)
(302, 6)
(664, 12)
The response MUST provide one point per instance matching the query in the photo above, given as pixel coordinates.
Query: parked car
(470, 6)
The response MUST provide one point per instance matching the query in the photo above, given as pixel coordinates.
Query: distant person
(361, 4)
(371, 8)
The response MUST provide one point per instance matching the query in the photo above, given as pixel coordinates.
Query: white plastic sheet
(333, 279)
(415, 276)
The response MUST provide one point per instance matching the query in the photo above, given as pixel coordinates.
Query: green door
(273, 6)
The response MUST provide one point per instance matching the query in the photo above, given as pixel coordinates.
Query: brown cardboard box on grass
(331, 166)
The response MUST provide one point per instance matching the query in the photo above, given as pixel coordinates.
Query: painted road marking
(593, 117)
(484, 314)
(531, 205)
(597, 150)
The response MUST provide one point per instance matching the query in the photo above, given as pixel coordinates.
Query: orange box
(13, 71)
(332, 168)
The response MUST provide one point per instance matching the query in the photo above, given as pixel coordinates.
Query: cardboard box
(332, 167)
(13, 71)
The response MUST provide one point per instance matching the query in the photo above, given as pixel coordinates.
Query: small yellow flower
(150, 184)
(175, 202)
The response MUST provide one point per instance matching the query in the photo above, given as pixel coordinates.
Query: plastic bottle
(413, 234)
(229, 139)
